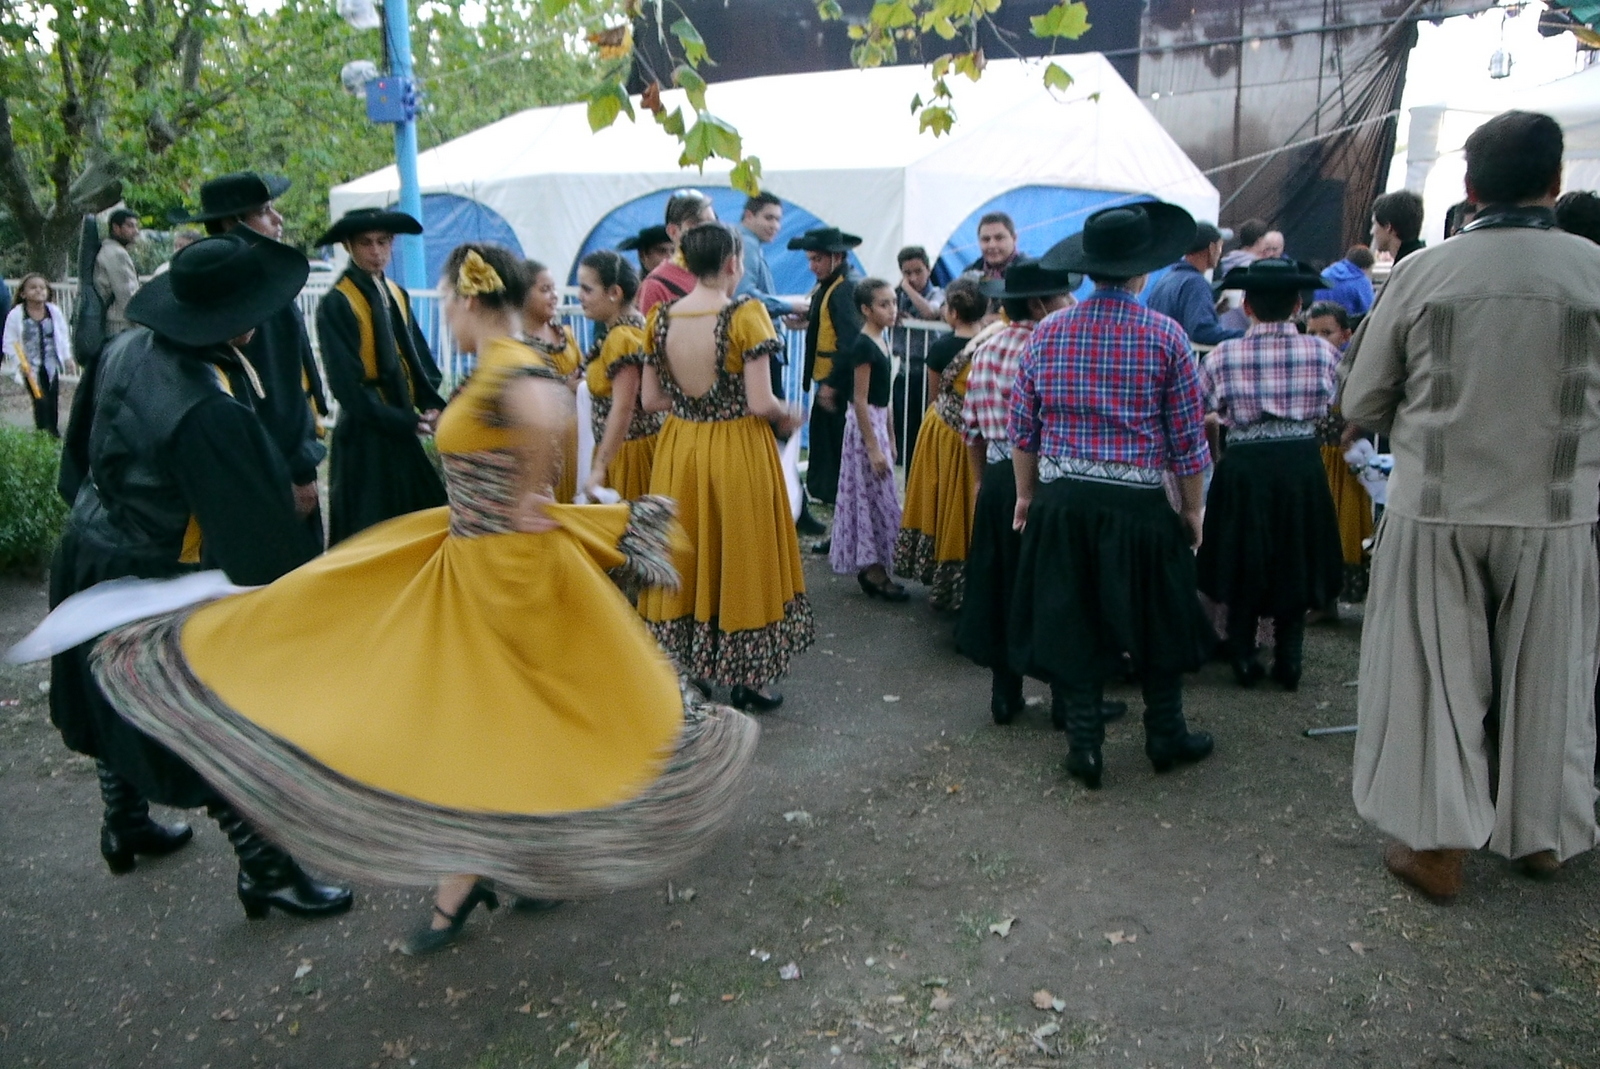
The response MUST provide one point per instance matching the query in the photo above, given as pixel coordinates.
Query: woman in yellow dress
(439, 696)
(942, 485)
(625, 434)
(741, 612)
(543, 330)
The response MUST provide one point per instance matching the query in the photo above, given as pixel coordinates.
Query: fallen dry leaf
(896, 1000)
(1359, 948)
(941, 1001)
(1042, 999)
(674, 998)
(891, 697)
(526, 1007)
(790, 971)
(1003, 928)
(1119, 937)
(225, 1015)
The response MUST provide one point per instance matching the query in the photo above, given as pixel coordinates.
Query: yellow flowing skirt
(629, 471)
(741, 612)
(936, 527)
(502, 673)
(1351, 504)
(567, 481)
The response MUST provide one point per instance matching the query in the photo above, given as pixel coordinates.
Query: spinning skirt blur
(1105, 583)
(991, 570)
(1271, 537)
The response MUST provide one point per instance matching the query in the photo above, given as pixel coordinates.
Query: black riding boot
(1168, 742)
(1288, 652)
(269, 877)
(128, 830)
(1005, 695)
(1247, 671)
(1086, 731)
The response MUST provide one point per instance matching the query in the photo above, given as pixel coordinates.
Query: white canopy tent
(1435, 161)
(842, 144)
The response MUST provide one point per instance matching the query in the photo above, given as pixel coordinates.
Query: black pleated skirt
(1105, 583)
(1271, 534)
(991, 570)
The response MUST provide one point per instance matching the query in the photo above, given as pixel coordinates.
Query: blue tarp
(789, 271)
(449, 220)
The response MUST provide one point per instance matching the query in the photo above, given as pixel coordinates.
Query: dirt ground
(934, 878)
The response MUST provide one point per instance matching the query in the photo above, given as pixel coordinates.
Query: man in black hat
(1184, 293)
(280, 349)
(1105, 405)
(1271, 543)
(832, 323)
(380, 370)
(182, 475)
(652, 245)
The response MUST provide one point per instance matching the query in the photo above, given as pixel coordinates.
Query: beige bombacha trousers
(1463, 622)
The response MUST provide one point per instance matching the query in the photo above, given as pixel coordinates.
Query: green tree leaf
(746, 176)
(694, 46)
(939, 119)
(1056, 77)
(829, 10)
(688, 79)
(1069, 19)
(606, 103)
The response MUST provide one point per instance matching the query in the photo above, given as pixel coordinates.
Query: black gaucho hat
(824, 239)
(1275, 275)
(1126, 241)
(1027, 278)
(219, 288)
(236, 194)
(365, 221)
(648, 238)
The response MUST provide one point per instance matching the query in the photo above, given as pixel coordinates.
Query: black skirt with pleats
(991, 570)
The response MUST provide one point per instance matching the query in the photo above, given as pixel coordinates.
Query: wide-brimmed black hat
(824, 239)
(648, 238)
(219, 288)
(1125, 242)
(365, 221)
(1028, 278)
(1276, 275)
(236, 194)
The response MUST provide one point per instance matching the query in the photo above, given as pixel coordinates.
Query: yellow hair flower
(477, 277)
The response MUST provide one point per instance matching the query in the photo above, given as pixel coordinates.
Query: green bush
(31, 512)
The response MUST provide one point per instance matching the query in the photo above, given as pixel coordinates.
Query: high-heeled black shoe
(429, 939)
(128, 831)
(752, 700)
(887, 590)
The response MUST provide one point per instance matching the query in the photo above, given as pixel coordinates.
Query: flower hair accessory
(476, 277)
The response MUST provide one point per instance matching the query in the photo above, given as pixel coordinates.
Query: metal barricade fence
(910, 346)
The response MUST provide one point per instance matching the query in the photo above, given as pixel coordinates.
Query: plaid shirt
(1110, 380)
(994, 366)
(1273, 372)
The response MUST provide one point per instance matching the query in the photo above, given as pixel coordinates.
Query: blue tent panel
(449, 220)
(789, 271)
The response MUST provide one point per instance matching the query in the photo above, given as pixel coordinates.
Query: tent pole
(397, 25)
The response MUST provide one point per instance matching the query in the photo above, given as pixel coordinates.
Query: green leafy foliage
(1056, 77)
(746, 175)
(32, 514)
(606, 102)
(694, 46)
(1069, 19)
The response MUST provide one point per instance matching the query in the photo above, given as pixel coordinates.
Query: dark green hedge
(31, 512)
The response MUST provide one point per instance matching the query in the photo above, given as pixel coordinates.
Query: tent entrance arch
(789, 271)
(449, 220)
(1043, 215)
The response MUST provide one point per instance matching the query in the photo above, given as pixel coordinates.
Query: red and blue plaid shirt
(1273, 372)
(1110, 380)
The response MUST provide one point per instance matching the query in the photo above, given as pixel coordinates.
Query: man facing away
(115, 277)
(1482, 363)
(686, 209)
(1184, 292)
(1397, 224)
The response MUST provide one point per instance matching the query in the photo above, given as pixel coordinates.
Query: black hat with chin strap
(1028, 278)
(368, 220)
(824, 239)
(1125, 242)
(235, 194)
(219, 288)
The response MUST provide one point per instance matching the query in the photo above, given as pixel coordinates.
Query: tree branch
(14, 184)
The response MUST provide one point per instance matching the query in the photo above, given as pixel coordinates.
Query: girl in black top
(866, 516)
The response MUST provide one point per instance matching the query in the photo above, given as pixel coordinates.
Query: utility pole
(393, 99)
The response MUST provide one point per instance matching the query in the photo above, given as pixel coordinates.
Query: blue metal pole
(413, 267)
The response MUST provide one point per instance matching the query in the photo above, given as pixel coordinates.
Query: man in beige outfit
(1481, 360)
(114, 273)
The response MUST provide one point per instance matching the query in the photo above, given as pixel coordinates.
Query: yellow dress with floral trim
(623, 346)
(936, 523)
(565, 359)
(741, 612)
(442, 693)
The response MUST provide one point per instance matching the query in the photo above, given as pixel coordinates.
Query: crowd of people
(1121, 488)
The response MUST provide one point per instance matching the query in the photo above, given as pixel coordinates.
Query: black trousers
(826, 446)
(46, 407)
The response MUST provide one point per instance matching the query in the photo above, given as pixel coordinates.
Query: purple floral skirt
(866, 516)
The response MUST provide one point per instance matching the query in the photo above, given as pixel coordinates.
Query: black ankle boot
(269, 877)
(128, 830)
(1005, 696)
(1168, 742)
(1288, 653)
(1086, 732)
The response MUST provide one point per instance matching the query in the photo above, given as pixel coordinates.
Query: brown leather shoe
(1436, 873)
(1540, 866)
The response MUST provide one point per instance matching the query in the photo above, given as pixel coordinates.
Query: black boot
(269, 877)
(1005, 696)
(1085, 725)
(128, 830)
(1168, 742)
(1288, 657)
(1247, 671)
(807, 524)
